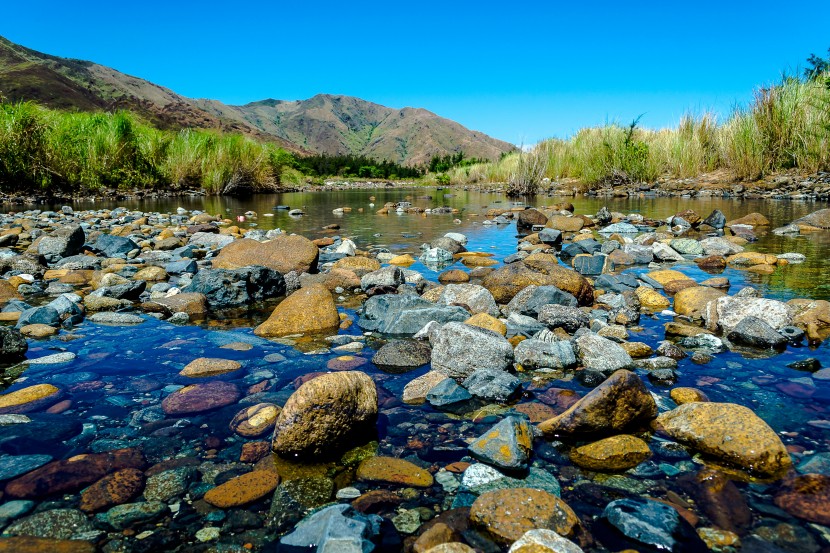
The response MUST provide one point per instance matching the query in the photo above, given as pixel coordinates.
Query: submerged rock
(652, 524)
(335, 528)
(199, 398)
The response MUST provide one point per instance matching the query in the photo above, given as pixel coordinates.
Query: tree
(817, 66)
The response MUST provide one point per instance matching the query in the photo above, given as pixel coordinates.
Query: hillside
(322, 124)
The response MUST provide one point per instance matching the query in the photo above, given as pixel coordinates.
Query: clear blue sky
(519, 71)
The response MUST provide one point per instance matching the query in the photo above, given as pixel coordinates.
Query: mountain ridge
(323, 124)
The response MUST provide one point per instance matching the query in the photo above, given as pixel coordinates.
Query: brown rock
(754, 219)
(748, 259)
(38, 330)
(377, 501)
(504, 283)
(389, 470)
(415, 392)
(70, 475)
(335, 278)
(255, 421)
(505, 515)
(26, 544)
(358, 265)
(716, 496)
(115, 489)
(665, 276)
(692, 302)
(637, 350)
(285, 253)
(325, 413)
(676, 328)
(244, 489)
(404, 260)
(152, 274)
(438, 534)
(477, 261)
(453, 276)
(687, 395)
(307, 310)
(208, 366)
(806, 497)
(192, 303)
(652, 299)
(565, 224)
(253, 452)
(198, 398)
(8, 292)
(617, 453)
(530, 217)
(483, 320)
(711, 263)
(676, 286)
(616, 404)
(731, 433)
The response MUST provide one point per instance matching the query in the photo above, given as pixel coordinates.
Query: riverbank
(461, 381)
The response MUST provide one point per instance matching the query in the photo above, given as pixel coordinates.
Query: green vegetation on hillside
(49, 150)
(786, 127)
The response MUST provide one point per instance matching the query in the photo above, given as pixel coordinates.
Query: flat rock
(403, 354)
(199, 398)
(506, 515)
(255, 421)
(391, 470)
(29, 399)
(243, 489)
(806, 497)
(207, 366)
(284, 253)
(114, 489)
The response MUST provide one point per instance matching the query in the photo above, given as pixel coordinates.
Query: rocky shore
(545, 416)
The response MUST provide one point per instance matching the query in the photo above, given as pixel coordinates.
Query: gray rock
(687, 246)
(387, 276)
(560, 316)
(523, 325)
(476, 297)
(110, 318)
(719, 246)
(716, 219)
(704, 342)
(589, 265)
(448, 244)
(617, 283)
(448, 395)
(405, 314)
(664, 252)
(601, 354)
(493, 385)
(652, 524)
(402, 354)
(643, 255)
(56, 524)
(531, 299)
(210, 240)
(336, 528)
(507, 445)
(124, 516)
(726, 312)
(13, 345)
(128, 291)
(62, 242)
(460, 349)
(536, 354)
(114, 246)
(39, 315)
(620, 228)
(656, 363)
(14, 509)
(181, 266)
(15, 465)
(169, 484)
(235, 287)
(551, 237)
(755, 332)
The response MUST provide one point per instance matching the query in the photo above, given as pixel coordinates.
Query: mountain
(323, 124)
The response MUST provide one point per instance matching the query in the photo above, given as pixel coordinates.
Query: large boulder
(729, 432)
(621, 402)
(476, 297)
(755, 332)
(692, 301)
(820, 219)
(307, 310)
(326, 414)
(284, 253)
(459, 349)
(235, 287)
(727, 311)
(528, 218)
(405, 314)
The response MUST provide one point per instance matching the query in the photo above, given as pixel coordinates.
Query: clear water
(121, 374)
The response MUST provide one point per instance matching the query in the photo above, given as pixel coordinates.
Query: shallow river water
(119, 375)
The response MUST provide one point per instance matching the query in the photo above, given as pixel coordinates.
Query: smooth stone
(29, 399)
(336, 528)
(601, 354)
(255, 421)
(12, 466)
(543, 541)
(652, 524)
(206, 366)
(806, 497)
(106, 317)
(415, 392)
(61, 524)
(402, 354)
(617, 453)
(536, 354)
(492, 385)
(243, 489)
(199, 398)
(394, 471)
(125, 516)
(114, 489)
(506, 515)
(307, 310)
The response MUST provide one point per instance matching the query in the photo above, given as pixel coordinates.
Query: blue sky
(519, 71)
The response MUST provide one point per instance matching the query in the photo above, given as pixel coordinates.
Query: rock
(387, 276)
(720, 246)
(169, 484)
(447, 395)
(493, 385)
(452, 547)
(529, 218)
(37, 331)
(308, 310)
(243, 489)
(687, 395)
(71, 475)
(402, 354)
(283, 253)
(487, 322)
(755, 332)
(199, 398)
(716, 220)
(477, 298)
(536, 354)
(729, 432)
(115, 318)
(652, 299)
(255, 421)
(717, 497)
(193, 304)
(60, 524)
(394, 471)
(570, 319)
(550, 236)
(620, 402)
(114, 489)
(415, 392)
(565, 223)
(460, 349)
(405, 314)
(686, 246)
(207, 366)
(807, 497)
(334, 528)
(110, 245)
(125, 516)
(727, 311)
(31, 398)
(601, 354)
(543, 541)
(504, 283)
(617, 453)
(62, 242)
(752, 219)
(619, 228)
(44, 314)
(506, 515)
(507, 445)
(652, 524)
(13, 345)
(693, 301)
(15, 465)
(305, 429)
(819, 219)
(28, 544)
(359, 265)
(453, 276)
(531, 300)
(224, 288)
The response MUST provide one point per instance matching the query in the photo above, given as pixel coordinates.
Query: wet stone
(130, 514)
(15, 465)
(243, 489)
(169, 484)
(114, 489)
(651, 523)
(198, 398)
(506, 515)
(389, 470)
(507, 445)
(62, 524)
